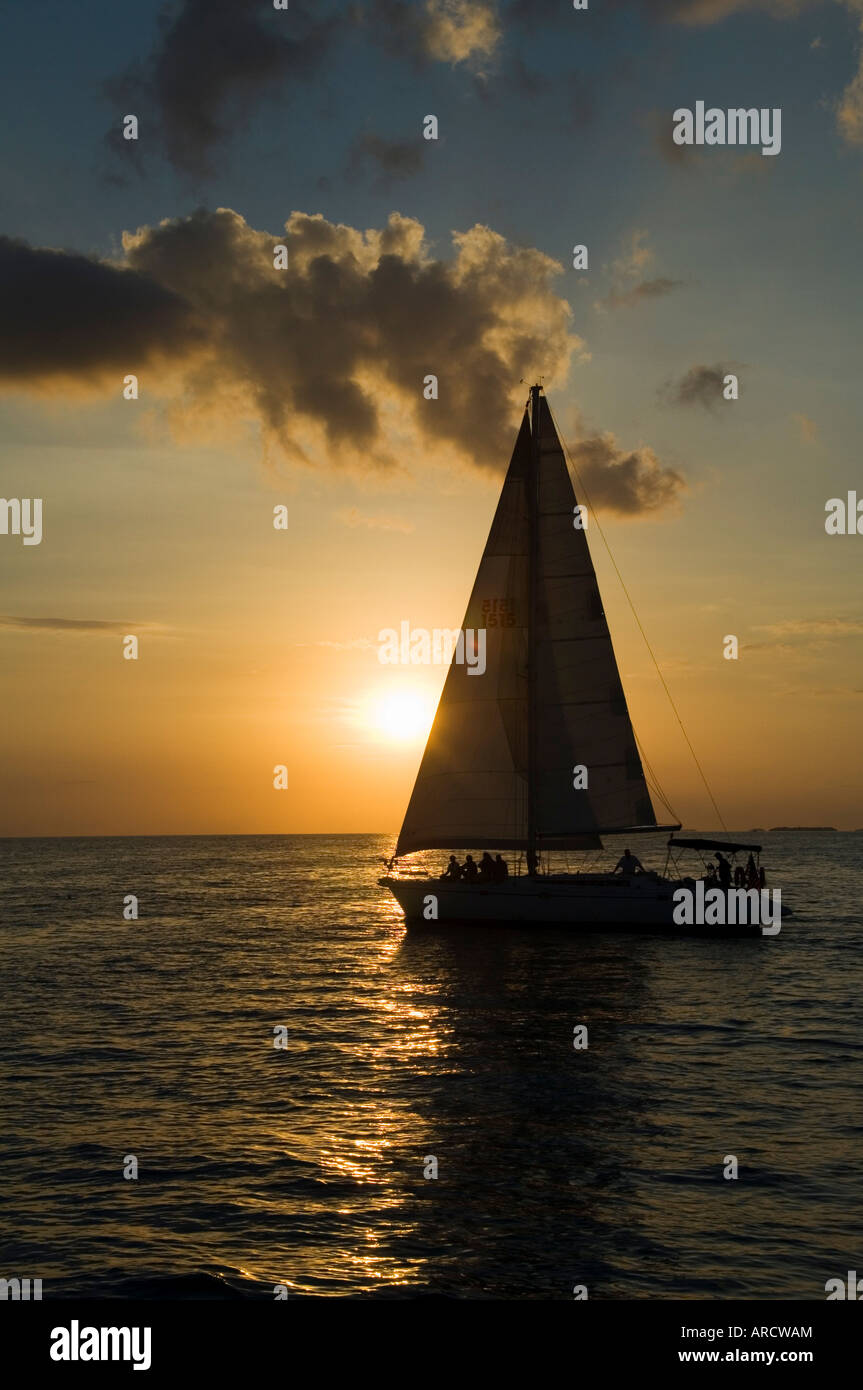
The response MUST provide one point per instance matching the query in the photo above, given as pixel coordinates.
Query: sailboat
(536, 754)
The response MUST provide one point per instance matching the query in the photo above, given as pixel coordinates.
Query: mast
(533, 568)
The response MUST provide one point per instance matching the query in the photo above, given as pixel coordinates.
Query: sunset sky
(304, 387)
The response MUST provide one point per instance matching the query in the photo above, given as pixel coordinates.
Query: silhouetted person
(739, 876)
(486, 868)
(453, 868)
(723, 871)
(751, 873)
(469, 870)
(501, 870)
(628, 864)
(532, 862)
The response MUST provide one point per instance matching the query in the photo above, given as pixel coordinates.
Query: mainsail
(498, 770)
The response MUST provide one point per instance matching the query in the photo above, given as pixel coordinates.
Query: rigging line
(652, 772)
(654, 780)
(583, 490)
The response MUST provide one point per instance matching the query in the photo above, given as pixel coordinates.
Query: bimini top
(712, 844)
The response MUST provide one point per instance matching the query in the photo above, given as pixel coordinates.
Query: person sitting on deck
(723, 871)
(629, 864)
(453, 868)
(469, 870)
(501, 869)
(486, 868)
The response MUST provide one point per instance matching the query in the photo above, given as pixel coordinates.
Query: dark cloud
(329, 356)
(701, 385)
(66, 315)
(392, 159)
(360, 319)
(647, 289)
(212, 61)
(215, 59)
(629, 482)
(349, 330)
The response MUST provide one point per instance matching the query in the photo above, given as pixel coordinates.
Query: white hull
(584, 902)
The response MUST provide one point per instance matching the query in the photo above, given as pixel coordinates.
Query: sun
(402, 714)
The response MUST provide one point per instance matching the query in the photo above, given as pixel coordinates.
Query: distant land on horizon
(810, 829)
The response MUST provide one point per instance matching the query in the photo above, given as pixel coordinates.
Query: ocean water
(305, 1166)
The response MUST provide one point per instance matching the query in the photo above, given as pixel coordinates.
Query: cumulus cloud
(329, 357)
(700, 385)
(629, 482)
(338, 345)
